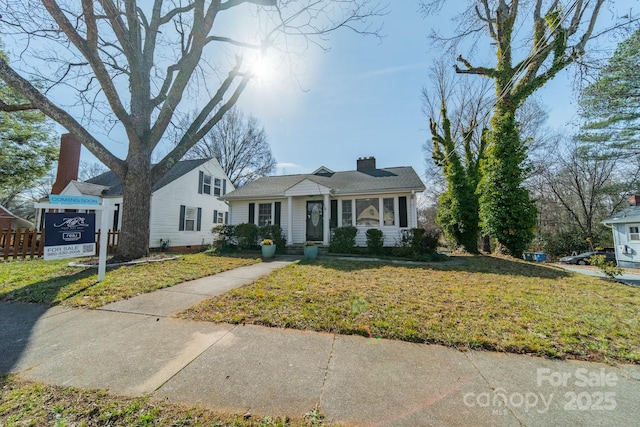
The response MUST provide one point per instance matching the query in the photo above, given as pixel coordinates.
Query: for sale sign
(69, 234)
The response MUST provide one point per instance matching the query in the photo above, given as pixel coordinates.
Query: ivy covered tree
(558, 38)
(458, 211)
(27, 146)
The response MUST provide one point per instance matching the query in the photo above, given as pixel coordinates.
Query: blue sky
(363, 97)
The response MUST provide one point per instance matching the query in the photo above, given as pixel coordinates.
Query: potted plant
(310, 250)
(268, 248)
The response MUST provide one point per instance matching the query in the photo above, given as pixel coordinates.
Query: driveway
(629, 277)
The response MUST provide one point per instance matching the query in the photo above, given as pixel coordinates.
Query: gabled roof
(88, 189)
(110, 181)
(628, 215)
(5, 213)
(367, 181)
(21, 222)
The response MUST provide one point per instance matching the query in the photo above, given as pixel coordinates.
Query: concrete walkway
(134, 347)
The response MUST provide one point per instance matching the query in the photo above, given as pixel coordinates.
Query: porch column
(325, 225)
(413, 203)
(290, 221)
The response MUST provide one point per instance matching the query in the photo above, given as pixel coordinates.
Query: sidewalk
(134, 348)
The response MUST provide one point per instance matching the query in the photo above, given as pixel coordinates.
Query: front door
(314, 221)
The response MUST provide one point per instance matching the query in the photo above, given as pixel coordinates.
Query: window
(389, 215)
(367, 213)
(217, 184)
(218, 217)
(204, 183)
(264, 214)
(190, 219)
(347, 213)
(634, 232)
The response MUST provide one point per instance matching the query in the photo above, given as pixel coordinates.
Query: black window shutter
(333, 219)
(215, 216)
(278, 208)
(116, 217)
(224, 187)
(182, 211)
(200, 181)
(252, 213)
(226, 217)
(199, 223)
(402, 202)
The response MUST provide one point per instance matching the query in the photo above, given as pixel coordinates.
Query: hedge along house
(308, 206)
(185, 203)
(626, 233)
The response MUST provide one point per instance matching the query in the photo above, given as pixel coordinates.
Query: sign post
(72, 234)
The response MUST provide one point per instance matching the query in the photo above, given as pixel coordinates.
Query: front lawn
(486, 303)
(25, 403)
(54, 282)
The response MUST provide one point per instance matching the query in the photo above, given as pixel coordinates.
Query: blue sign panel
(69, 234)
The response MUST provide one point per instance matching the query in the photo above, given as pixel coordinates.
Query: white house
(185, 203)
(626, 233)
(308, 206)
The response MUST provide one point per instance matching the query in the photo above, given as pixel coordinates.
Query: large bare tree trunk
(136, 210)
(137, 64)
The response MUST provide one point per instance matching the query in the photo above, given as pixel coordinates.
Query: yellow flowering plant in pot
(268, 248)
(310, 251)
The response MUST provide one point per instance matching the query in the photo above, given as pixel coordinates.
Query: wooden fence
(23, 243)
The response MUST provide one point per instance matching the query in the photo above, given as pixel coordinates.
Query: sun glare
(264, 69)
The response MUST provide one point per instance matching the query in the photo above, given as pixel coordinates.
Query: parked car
(583, 258)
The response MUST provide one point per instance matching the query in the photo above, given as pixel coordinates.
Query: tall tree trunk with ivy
(458, 210)
(506, 211)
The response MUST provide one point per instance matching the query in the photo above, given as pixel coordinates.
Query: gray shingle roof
(111, 181)
(341, 183)
(89, 189)
(628, 215)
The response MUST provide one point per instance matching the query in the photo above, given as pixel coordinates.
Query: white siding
(239, 212)
(621, 238)
(392, 234)
(165, 208)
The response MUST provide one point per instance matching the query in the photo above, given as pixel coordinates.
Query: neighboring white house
(308, 206)
(626, 233)
(185, 204)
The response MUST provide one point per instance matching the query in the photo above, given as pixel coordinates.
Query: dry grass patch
(488, 303)
(33, 404)
(54, 282)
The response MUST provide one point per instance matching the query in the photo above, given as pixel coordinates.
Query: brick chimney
(68, 162)
(365, 163)
(634, 200)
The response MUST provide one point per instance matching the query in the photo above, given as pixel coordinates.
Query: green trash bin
(528, 256)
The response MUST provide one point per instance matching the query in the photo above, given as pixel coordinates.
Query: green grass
(24, 403)
(54, 282)
(486, 303)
